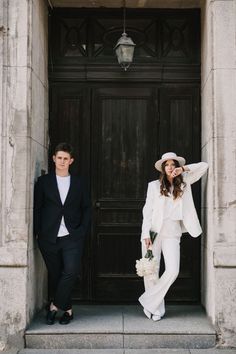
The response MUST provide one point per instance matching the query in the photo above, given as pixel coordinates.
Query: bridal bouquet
(148, 266)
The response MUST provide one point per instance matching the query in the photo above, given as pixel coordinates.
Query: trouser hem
(63, 308)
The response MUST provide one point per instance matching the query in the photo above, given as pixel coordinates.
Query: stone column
(219, 149)
(23, 149)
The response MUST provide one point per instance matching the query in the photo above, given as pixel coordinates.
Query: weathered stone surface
(17, 85)
(124, 326)
(219, 148)
(225, 255)
(72, 351)
(213, 350)
(88, 319)
(224, 31)
(168, 341)
(156, 351)
(206, 43)
(192, 318)
(37, 287)
(39, 50)
(208, 282)
(70, 341)
(39, 114)
(37, 275)
(12, 291)
(13, 257)
(225, 306)
(126, 351)
(225, 109)
(225, 225)
(219, 107)
(207, 110)
(16, 207)
(17, 24)
(19, 164)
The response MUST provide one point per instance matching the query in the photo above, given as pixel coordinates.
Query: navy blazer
(48, 208)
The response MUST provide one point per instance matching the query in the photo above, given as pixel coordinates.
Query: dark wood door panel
(70, 121)
(179, 120)
(124, 129)
(123, 123)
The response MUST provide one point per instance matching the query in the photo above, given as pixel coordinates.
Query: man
(61, 221)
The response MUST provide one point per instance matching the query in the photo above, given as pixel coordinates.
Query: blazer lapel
(54, 188)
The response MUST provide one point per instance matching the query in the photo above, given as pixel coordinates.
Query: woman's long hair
(177, 183)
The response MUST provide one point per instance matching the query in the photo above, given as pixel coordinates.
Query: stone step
(126, 351)
(124, 327)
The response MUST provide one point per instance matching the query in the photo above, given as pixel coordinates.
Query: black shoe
(51, 316)
(66, 318)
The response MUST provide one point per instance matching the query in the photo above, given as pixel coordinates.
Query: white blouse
(171, 217)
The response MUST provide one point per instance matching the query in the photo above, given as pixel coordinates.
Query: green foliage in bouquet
(149, 253)
(153, 235)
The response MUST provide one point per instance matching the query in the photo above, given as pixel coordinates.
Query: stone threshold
(117, 327)
(125, 351)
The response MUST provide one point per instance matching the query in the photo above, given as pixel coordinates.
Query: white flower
(146, 266)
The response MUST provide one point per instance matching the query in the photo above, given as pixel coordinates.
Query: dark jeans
(63, 260)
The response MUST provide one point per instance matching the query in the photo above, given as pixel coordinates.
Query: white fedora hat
(169, 156)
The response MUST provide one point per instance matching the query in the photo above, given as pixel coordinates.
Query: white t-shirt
(63, 184)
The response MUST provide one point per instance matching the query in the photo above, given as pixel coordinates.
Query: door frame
(97, 73)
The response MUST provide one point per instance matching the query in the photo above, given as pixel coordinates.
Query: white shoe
(147, 313)
(156, 318)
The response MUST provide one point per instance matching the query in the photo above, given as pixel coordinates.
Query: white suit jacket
(154, 205)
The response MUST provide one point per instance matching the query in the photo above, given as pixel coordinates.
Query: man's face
(62, 160)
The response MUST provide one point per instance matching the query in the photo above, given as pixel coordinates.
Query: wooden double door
(118, 131)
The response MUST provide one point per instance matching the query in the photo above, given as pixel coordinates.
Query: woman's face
(169, 167)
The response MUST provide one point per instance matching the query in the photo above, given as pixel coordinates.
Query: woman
(169, 210)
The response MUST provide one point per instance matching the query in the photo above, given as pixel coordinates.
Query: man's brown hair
(64, 147)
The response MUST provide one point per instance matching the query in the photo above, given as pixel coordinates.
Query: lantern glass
(125, 51)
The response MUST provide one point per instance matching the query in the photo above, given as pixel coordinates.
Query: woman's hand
(148, 242)
(177, 171)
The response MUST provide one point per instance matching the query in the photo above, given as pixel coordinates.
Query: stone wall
(23, 112)
(219, 148)
(37, 289)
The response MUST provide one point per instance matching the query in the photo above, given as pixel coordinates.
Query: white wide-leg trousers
(153, 297)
